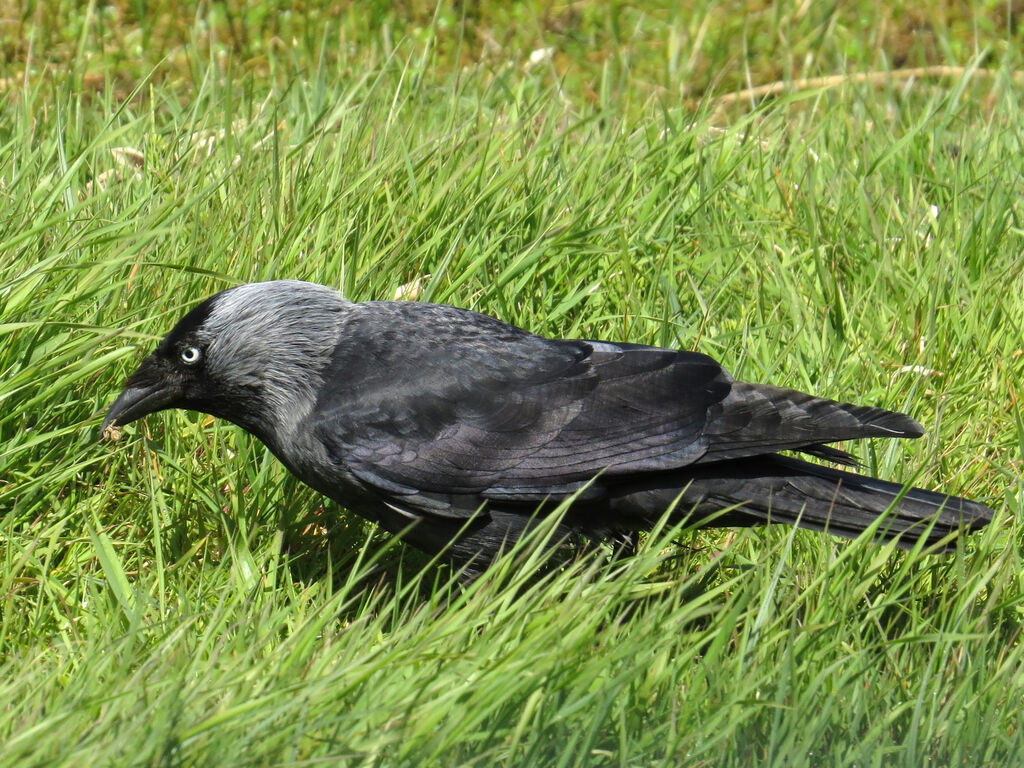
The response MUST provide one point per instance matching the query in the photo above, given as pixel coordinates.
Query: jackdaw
(457, 429)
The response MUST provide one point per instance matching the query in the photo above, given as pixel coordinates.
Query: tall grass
(178, 599)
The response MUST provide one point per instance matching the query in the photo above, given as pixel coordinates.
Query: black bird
(457, 428)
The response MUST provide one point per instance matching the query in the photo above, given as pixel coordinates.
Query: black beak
(146, 391)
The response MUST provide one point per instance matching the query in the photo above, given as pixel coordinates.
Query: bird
(459, 431)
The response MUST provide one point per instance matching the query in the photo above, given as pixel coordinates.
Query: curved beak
(146, 391)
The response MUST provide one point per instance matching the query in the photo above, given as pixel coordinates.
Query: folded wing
(487, 411)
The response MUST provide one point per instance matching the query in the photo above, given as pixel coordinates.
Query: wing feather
(486, 410)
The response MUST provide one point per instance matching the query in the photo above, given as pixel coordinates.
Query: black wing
(439, 408)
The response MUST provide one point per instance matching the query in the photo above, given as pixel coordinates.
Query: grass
(177, 599)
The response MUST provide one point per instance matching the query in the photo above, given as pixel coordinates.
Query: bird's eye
(190, 355)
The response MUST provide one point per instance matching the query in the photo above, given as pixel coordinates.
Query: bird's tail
(777, 489)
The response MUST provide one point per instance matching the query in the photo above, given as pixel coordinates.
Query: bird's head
(251, 354)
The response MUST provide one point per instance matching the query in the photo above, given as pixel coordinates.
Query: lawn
(822, 196)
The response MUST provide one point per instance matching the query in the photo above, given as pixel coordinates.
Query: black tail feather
(778, 489)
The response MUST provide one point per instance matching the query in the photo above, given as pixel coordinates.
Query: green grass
(178, 599)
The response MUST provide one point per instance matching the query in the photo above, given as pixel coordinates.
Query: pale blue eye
(190, 355)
